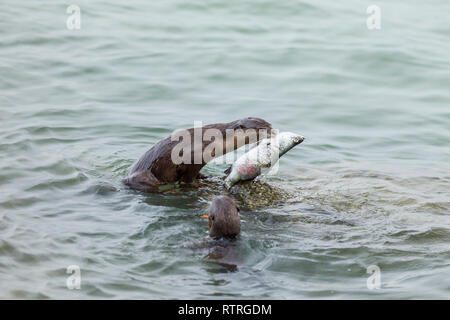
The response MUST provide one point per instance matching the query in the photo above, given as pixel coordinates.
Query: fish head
(287, 140)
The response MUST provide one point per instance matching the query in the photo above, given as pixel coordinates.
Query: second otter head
(223, 219)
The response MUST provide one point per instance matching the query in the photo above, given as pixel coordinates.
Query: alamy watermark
(374, 281)
(74, 280)
(74, 20)
(373, 21)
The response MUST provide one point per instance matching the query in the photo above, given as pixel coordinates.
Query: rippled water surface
(371, 182)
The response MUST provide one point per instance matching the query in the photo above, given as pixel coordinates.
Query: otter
(156, 168)
(223, 219)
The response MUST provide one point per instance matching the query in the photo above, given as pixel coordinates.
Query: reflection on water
(370, 185)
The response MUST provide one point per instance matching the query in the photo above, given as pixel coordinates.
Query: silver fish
(265, 155)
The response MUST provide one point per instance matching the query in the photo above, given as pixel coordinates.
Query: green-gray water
(372, 179)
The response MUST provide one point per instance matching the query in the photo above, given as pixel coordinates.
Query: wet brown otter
(223, 219)
(156, 168)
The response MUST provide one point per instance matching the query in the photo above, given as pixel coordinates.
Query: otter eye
(212, 218)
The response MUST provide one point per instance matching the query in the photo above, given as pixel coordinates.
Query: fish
(264, 155)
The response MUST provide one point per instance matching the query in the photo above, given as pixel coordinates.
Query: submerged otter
(223, 219)
(156, 168)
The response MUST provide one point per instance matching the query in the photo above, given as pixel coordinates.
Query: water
(78, 107)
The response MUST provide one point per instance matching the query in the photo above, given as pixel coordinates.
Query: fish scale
(265, 155)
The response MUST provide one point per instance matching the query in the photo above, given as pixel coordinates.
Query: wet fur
(224, 219)
(156, 168)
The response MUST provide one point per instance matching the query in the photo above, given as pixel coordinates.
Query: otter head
(246, 130)
(251, 123)
(223, 219)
